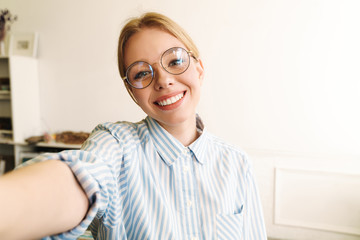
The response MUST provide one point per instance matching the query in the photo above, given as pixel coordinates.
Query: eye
(140, 76)
(176, 62)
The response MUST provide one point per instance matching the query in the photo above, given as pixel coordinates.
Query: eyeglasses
(175, 61)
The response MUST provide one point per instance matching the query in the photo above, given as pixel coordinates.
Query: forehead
(148, 45)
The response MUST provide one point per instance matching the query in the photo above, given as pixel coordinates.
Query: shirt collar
(169, 148)
(199, 147)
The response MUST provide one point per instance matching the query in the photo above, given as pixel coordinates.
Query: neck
(185, 132)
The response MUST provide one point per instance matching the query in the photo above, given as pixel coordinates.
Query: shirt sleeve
(254, 226)
(96, 167)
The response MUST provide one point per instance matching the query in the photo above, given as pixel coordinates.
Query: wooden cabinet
(19, 99)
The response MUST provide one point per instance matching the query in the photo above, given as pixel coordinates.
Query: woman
(165, 177)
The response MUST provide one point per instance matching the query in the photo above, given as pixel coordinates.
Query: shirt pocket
(229, 227)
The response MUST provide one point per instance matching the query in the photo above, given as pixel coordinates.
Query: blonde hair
(151, 20)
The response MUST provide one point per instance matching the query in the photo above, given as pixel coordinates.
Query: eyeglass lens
(174, 60)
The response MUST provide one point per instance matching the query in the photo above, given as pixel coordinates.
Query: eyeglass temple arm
(192, 55)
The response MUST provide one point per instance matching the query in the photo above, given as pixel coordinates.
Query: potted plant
(6, 19)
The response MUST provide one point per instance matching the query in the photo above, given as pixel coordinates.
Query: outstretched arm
(40, 200)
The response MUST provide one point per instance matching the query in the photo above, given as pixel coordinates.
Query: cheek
(188, 77)
(137, 95)
(194, 72)
(191, 78)
(141, 96)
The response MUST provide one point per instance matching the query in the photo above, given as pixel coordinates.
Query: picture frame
(23, 44)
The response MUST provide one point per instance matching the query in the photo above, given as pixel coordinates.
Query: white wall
(282, 78)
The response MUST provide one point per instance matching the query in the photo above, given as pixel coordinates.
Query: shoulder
(120, 127)
(122, 131)
(228, 151)
(222, 145)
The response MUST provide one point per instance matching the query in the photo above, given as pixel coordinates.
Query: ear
(200, 69)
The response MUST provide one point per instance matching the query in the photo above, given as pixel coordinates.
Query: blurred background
(282, 82)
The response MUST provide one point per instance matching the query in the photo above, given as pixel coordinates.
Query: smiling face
(169, 99)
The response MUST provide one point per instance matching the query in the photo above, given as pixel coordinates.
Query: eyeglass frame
(189, 53)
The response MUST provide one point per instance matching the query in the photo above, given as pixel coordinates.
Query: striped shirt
(142, 183)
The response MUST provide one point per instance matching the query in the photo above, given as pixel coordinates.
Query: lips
(170, 100)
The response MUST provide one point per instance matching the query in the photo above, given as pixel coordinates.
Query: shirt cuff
(82, 170)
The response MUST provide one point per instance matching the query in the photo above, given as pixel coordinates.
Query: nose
(162, 78)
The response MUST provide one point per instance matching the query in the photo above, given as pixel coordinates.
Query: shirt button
(185, 150)
(189, 203)
(194, 238)
(186, 169)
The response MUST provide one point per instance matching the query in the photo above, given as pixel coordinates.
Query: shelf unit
(20, 111)
(5, 95)
(19, 104)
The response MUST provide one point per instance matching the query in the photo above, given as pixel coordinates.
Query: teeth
(171, 100)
